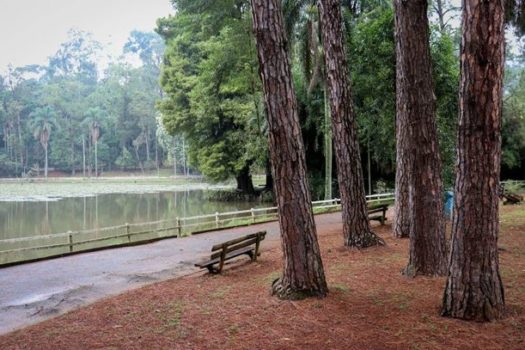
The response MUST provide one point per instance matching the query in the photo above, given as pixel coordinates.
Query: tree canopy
(200, 76)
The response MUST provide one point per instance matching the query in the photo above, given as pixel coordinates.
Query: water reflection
(23, 219)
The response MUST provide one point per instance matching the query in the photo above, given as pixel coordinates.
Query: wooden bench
(511, 198)
(381, 209)
(221, 252)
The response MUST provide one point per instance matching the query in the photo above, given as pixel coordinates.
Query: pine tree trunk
(356, 229)
(474, 290)
(303, 273)
(328, 154)
(369, 164)
(416, 110)
(401, 224)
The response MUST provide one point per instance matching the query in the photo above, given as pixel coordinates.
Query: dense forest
(78, 118)
(196, 90)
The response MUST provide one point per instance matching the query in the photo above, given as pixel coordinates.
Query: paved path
(33, 292)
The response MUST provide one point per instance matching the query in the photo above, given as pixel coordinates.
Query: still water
(25, 218)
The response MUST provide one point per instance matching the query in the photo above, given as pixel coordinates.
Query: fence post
(70, 240)
(179, 228)
(253, 214)
(217, 219)
(127, 232)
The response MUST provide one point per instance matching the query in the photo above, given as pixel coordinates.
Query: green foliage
(372, 65)
(7, 166)
(115, 110)
(213, 91)
(125, 160)
(445, 65)
(513, 130)
(211, 103)
(43, 121)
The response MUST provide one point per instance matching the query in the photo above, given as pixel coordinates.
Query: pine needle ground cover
(370, 306)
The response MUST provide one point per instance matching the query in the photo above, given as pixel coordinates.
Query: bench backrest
(238, 243)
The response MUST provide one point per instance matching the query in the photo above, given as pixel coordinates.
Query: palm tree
(92, 124)
(43, 119)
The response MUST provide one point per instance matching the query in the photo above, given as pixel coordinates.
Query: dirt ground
(370, 306)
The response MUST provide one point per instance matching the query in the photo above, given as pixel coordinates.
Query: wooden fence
(38, 247)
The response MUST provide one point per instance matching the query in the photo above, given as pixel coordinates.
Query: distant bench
(221, 252)
(380, 211)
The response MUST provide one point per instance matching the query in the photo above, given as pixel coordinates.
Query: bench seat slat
(234, 254)
(381, 209)
(377, 210)
(232, 248)
(248, 244)
(237, 240)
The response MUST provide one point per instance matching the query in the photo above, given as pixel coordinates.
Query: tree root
(366, 240)
(286, 292)
(411, 272)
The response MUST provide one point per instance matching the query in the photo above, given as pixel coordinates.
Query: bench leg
(212, 270)
(251, 255)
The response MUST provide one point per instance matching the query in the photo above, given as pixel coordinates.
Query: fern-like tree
(43, 119)
(92, 122)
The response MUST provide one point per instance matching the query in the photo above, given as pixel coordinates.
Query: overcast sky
(32, 30)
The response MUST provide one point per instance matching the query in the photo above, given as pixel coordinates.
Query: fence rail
(21, 249)
(518, 183)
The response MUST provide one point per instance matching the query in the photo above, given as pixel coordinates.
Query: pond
(43, 220)
(57, 215)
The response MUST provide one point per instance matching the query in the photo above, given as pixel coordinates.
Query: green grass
(172, 315)
(513, 217)
(341, 288)
(268, 279)
(221, 292)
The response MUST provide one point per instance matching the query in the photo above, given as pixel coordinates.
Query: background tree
(43, 119)
(474, 290)
(419, 163)
(515, 15)
(513, 128)
(303, 273)
(213, 95)
(445, 11)
(93, 120)
(356, 229)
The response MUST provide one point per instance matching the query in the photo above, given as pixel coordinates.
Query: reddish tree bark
(401, 223)
(356, 229)
(418, 140)
(474, 290)
(303, 273)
